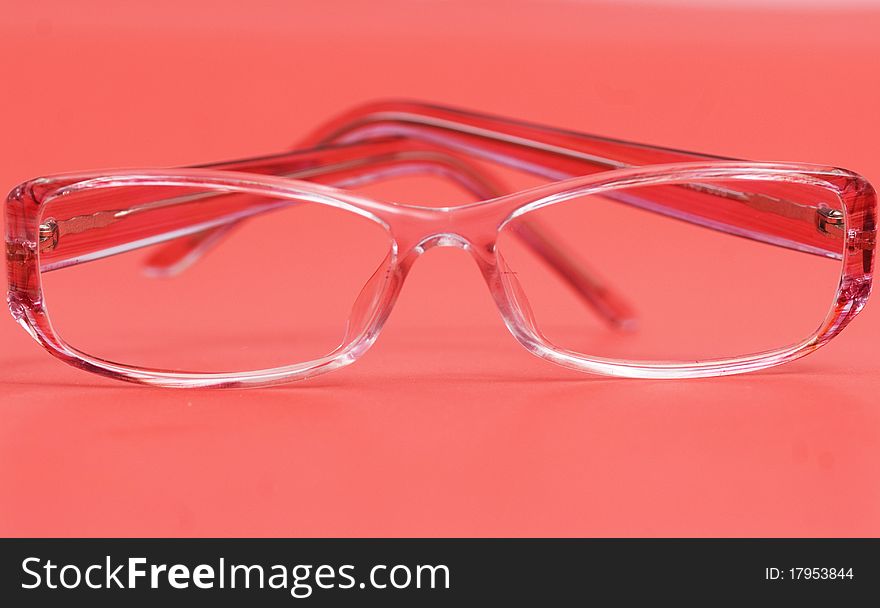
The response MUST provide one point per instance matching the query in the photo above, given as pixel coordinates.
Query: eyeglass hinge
(828, 217)
(48, 234)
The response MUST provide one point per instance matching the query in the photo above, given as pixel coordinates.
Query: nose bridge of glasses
(446, 239)
(464, 227)
(449, 227)
(439, 235)
(475, 230)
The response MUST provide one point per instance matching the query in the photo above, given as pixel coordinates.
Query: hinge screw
(827, 216)
(48, 234)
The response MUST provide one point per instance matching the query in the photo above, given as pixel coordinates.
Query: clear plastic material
(288, 298)
(174, 217)
(699, 294)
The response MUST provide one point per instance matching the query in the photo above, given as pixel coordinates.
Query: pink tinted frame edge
(415, 229)
(475, 227)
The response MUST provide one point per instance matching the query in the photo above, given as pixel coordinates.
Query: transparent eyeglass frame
(395, 138)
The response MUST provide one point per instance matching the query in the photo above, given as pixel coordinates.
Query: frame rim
(25, 290)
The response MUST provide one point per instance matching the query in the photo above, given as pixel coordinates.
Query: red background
(447, 426)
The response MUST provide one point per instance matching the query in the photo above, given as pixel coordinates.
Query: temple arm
(559, 154)
(546, 151)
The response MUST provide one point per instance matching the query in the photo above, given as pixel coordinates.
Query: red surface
(447, 426)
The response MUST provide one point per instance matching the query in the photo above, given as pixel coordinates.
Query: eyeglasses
(633, 260)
